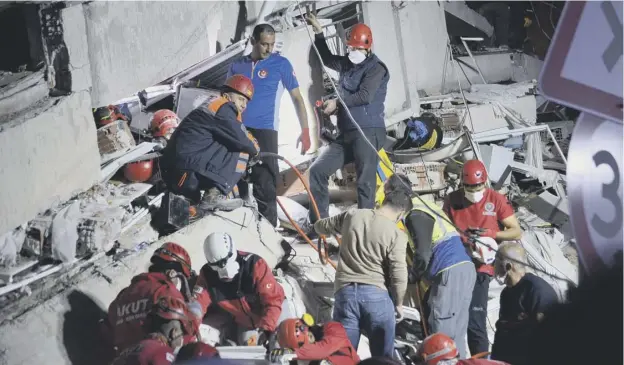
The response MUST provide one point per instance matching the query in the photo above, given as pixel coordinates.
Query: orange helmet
(172, 309)
(164, 122)
(292, 333)
(438, 347)
(361, 36)
(241, 84)
(474, 173)
(172, 252)
(139, 171)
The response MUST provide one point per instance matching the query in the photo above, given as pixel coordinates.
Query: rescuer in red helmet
(167, 277)
(478, 210)
(440, 349)
(210, 149)
(308, 342)
(196, 351)
(362, 86)
(162, 124)
(166, 324)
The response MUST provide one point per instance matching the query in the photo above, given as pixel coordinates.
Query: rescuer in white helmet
(240, 286)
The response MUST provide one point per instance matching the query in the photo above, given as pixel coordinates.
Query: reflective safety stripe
(431, 142)
(441, 229)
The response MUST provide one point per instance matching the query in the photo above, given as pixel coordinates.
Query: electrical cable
(390, 167)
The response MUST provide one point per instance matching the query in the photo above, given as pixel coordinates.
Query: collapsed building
(74, 231)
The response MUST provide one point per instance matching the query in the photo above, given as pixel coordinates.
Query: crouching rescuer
(240, 286)
(166, 325)
(440, 260)
(210, 149)
(318, 344)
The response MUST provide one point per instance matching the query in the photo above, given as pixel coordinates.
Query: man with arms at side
(270, 73)
(523, 302)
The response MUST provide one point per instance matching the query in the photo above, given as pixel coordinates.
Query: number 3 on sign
(609, 229)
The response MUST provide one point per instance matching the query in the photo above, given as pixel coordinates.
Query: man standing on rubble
(440, 259)
(270, 73)
(362, 86)
(523, 302)
(479, 211)
(371, 277)
(210, 149)
(238, 287)
(167, 277)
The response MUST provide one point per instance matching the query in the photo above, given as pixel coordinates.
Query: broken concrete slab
(65, 325)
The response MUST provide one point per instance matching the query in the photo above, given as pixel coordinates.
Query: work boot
(214, 200)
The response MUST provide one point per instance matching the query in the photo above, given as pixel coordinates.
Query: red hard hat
(438, 347)
(361, 36)
(196, 350)
(474, 173)
(292, 333)
(241, 84)
(172, 309)
(164, 122)
(172, 252)
(139, 171)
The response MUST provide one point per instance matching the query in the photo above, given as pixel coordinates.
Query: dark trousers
(348, 147)
(187, 183)
(264, 175)
(477, 317)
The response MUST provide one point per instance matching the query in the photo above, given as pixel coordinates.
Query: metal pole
(471, 56)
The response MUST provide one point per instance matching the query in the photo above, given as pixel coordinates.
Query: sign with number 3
(595, 189)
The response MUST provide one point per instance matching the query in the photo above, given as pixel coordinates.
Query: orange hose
(322, 238)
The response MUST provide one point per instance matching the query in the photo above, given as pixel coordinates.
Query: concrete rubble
(61, 269)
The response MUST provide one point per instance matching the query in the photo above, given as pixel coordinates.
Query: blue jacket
(363, 88)
(212, 142)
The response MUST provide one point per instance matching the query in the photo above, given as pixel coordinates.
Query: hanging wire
(390, 167)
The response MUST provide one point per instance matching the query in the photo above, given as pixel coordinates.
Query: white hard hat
(485, 250)
(220, 252)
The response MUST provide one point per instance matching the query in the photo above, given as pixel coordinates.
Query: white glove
(195, 308)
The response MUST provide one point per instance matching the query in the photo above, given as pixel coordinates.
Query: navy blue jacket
(212, 142)
(363, 88)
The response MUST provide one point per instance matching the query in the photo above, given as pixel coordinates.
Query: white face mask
(230, 270)
(474, 196)
(356, 57)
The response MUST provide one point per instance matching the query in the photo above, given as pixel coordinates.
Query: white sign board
(595, 190)
(583, 67)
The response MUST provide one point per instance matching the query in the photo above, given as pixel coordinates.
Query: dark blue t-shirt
(270, 77)
(519, 306)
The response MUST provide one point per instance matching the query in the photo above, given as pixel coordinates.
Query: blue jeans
(368, 309)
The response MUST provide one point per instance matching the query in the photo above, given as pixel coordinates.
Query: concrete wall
(46, 155)
(133, 45)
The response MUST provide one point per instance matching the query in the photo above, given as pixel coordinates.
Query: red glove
(304, 139)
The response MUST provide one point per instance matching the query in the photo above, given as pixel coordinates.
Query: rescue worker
(107, 114)
(480, 210)
(523, 302)
(371, 278)
(240, 286)
(314, 343)
(162, 124)
(210, 149)
(196, 351)
(440, 259)
(166, 277)
(270, 73)
(166, 324)
(440, 349)
(362, 85)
